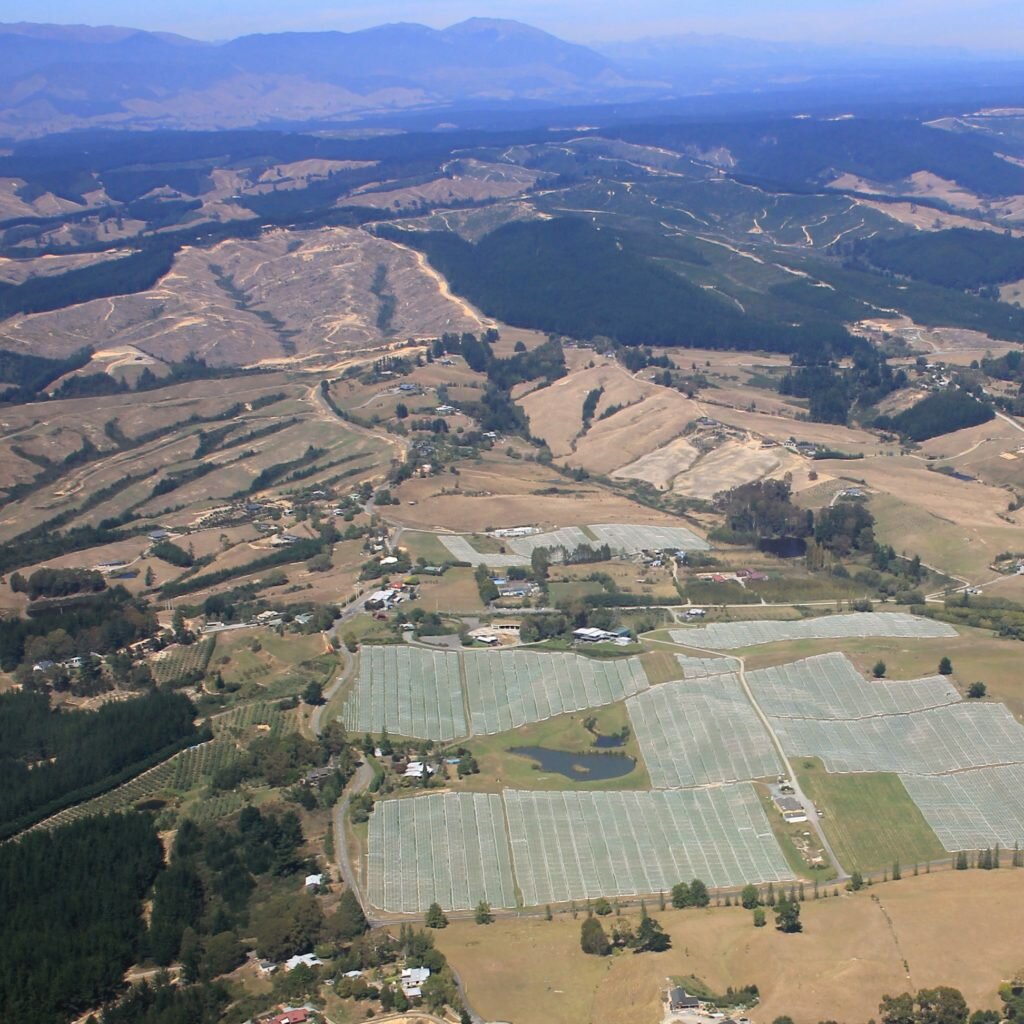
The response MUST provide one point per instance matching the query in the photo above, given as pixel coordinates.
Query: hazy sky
(931, 22)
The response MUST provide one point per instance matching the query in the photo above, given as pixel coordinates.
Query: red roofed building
(291, 1017)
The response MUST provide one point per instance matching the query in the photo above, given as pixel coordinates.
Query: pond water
(603, 742)
(577, 766)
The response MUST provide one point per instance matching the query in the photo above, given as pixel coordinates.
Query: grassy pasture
(455, 591)
(660, 666)
(954, 543)
(283, 665)
(977, 655)
(571, 590)
(629, 577)
(950, 928)
(425, 545)
(870, 819)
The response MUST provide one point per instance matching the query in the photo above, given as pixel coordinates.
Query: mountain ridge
(58, 78)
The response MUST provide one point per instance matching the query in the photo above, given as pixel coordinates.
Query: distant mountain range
(57, 78)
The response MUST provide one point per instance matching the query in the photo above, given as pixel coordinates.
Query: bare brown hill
(288, 293)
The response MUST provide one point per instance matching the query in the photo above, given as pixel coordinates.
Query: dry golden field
(556, 412)
(951, 928)
(498, 491)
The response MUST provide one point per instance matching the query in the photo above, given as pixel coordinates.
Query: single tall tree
(787, 916)
(593, 939)
(435, 917)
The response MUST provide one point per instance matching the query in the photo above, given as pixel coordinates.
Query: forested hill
(958, 258)
(940, 413)
(51, 760)
(567, 277)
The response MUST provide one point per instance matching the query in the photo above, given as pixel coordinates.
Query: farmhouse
(381, 599)
(679, 999)
(306, 959)
(314, 881)
(297, 1016)
(790, 808)
(413, 979)
(318, 775)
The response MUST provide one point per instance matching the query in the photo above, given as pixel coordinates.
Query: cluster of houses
(515, 588)
(740, 576)
(241, 512)
(804, 448)
(387, 598)
(72, 664)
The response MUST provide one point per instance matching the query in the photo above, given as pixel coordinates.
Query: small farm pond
(603, 742)
(579, 767)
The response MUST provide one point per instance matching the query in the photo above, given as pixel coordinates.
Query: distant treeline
(923, 302)
(123, 276)
(1006, 367)
(958, 258)
(26, 375)
(51, 760)
(833, 392)
(807, 153)
(32, 375)
(49, 582)
(131, 164)
(939, 413)
(567, 277)
(297, 552)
